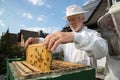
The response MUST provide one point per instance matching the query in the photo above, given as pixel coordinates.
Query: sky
(34, 15)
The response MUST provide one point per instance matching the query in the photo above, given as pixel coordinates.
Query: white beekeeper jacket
(113, 60)
(86, 43)
(114, 69)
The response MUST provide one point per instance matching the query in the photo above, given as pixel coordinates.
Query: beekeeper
(110, 29)
(78, 44)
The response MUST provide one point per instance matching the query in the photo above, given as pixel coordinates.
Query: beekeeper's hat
(74, 10)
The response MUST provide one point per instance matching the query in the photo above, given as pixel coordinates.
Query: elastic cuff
(77, 37)
(41, 40)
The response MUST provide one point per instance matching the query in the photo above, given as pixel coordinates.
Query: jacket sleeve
(41, 40)
(92, 43)
(59, 48)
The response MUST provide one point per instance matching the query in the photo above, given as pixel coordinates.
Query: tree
(5, 50)
(8, 50)
(5, 45)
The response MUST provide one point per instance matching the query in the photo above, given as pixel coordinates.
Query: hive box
(17, 69)
(40, 66)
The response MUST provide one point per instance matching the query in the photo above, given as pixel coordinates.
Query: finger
(27, 42)
(26, 45)
(51, 42)
(55, 45)
(46, 41)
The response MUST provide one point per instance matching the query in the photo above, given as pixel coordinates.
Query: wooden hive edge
(25, 69)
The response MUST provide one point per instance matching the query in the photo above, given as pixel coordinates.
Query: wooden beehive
(39, 57)
(40, 66)
(24, 71)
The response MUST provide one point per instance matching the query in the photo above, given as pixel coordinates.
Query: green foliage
(5, 44)
(8, 50)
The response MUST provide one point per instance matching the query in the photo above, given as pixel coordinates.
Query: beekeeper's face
(76, 22)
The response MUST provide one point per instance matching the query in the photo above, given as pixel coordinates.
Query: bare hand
(31, 40)
(53, 40)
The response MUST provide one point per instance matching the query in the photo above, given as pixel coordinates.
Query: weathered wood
(19, 69)
(31, 67)
(57, 66)
(68, 64)
(23, 67)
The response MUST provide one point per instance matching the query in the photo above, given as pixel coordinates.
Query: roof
(90, 6)
(26, 34)
(96, 11)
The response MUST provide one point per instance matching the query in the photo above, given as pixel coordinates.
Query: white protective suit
(113, 62)
(114, 69)
(110, 29)
(86, 43)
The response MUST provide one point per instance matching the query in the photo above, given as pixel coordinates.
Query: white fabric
(86, 40)
(73, 10)
(41, 40)
(114, 69)
(71, 54)
(91, 41)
